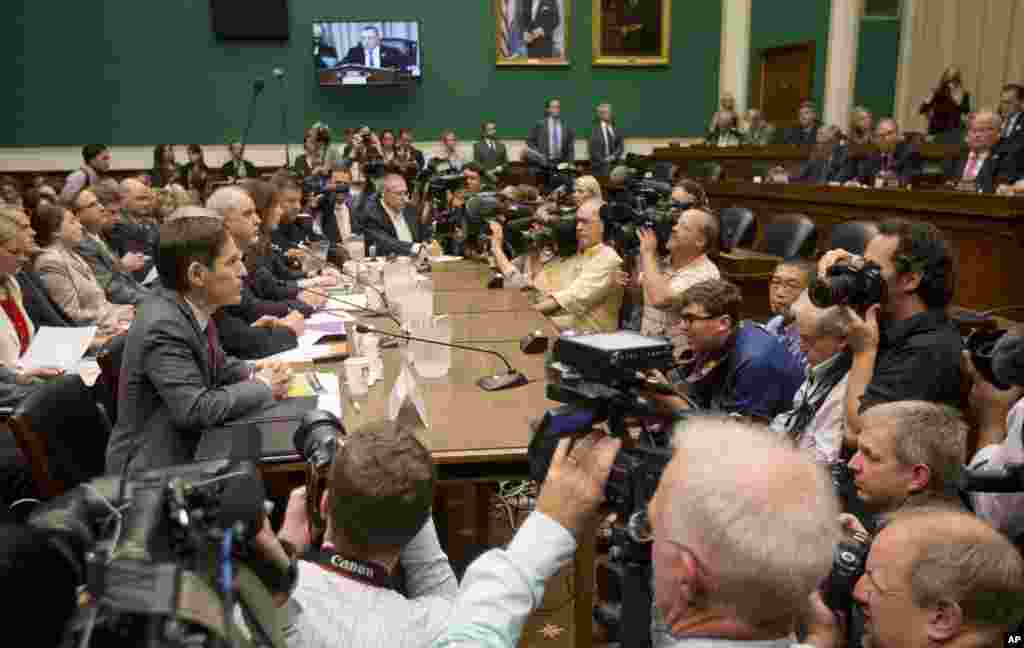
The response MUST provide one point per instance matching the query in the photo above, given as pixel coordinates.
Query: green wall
(774, 23)
(878, 54)
(151, 71)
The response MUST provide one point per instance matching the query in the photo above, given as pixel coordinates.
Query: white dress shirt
(373, 57)
(402, 230)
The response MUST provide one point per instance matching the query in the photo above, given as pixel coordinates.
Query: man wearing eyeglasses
(111, 273)
(732, 366)
(935, 577)
(390, 222)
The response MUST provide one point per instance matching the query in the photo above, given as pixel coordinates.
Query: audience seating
(789, 236)
(738, 227)
(63, 433)
(852, 236)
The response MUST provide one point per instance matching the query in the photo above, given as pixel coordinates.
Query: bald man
(663, 280)
(895, 158)
(982, 162)
(390, 222)
(133, 234)
(935, 577)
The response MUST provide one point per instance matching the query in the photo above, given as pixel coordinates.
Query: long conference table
(476, 438)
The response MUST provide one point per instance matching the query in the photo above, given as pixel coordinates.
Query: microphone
(278, 73)
(364, 309)
(257, 86)
(510, 379)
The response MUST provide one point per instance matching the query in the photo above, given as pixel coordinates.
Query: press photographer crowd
(848, 473)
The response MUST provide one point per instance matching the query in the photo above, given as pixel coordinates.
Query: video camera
(845, 285)
(598, 378)
(625, 223)
(157, 551)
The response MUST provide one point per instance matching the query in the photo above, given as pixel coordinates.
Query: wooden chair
(63, 433)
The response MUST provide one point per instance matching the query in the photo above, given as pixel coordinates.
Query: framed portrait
(532, 32)
(632, 32)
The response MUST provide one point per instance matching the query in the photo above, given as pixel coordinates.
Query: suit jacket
(488, 158)
(600, 164)
(797, 136)
(907, 165)
(120, 286)
(37, 303)
(389, 57)
(547, 18)
(540, 141)
(834, 168)
(130, 234)
(1014, 140)
(762, 136)
(378, 230)
(171, 390)
(10, 343)
(72, 285)
(229, 171)
(242, 340)
(999, 164)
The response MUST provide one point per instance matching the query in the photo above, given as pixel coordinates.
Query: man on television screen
(371, 53)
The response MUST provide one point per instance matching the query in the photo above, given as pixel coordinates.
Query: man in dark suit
(554, 140)
(828, 163)
(894, 158)
(538, 20)
(372, 54)
(390, 222)
(490, 153)
(1011, 109)
(606, 144)
(805, 133)
(175, 379)
(984, 161)
(238, 168)
(119, 285)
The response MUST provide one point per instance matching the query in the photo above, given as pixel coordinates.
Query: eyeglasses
(91, 205)
(690, 318)
(792, 285)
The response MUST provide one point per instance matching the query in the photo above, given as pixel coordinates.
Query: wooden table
(476, 437)
(986, 230)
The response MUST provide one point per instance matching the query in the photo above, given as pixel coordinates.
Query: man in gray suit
(119, 285)
(606, 143)
(489, 152)
(175, 379)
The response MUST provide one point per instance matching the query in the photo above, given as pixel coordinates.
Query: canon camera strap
(365, 572)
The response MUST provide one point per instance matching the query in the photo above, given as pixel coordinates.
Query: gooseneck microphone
(511, 378)
(364, 309)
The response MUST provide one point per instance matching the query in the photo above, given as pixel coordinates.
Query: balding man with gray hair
(134, 233)
(390, 223)
(736, 552)
(818, 417)
(983, 164)
(895, 161)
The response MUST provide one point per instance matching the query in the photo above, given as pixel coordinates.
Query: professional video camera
(625, 222)
(598, 378)
(157, 554)
(845, 285)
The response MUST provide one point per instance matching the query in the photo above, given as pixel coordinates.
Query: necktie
(213, 347)
(607, 140)
(971, 169)
(556, 140)
(1008, 127)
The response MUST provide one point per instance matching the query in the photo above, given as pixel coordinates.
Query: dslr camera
(845, 285)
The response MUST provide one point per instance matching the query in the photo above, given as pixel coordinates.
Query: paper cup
(357, 376)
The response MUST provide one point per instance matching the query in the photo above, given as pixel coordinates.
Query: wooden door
(784, 78)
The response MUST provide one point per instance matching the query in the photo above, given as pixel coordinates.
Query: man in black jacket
(984, 161)
(390, 223)
(606, 144)
(539, 19)
(371, 53)
(828, 162)
(894, 158)
(805, 133)
(238, 168)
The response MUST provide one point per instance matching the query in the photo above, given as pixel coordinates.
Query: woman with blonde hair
(586, 188)
(861, 129)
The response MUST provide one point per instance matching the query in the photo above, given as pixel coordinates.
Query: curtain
(343, 36)
(981, 37)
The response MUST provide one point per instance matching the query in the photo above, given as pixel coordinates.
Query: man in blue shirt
(733, 366)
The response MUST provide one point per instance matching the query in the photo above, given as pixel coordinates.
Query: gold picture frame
(545, 49)
(632, 33)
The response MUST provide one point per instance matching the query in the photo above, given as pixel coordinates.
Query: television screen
(366, 52)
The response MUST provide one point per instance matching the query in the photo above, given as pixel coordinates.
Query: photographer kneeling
(377, 509)
(736, 552)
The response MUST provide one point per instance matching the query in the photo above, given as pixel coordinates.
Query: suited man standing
(983, 161)
(489, 153)
(1011, 109)
(390, 222)
(371, 53)
(551, 137)
(606, 144)
(176, 380)
(539, 19)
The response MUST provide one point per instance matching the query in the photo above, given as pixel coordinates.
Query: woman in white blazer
(68, 278)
